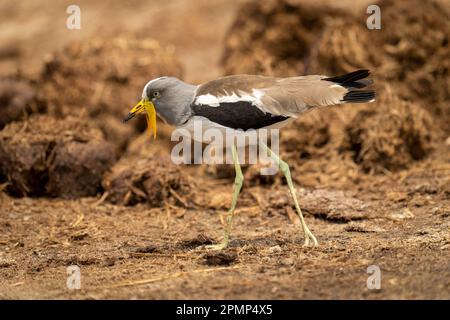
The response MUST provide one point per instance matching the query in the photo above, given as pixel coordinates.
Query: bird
(249, 102)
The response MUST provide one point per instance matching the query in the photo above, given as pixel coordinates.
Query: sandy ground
(118, 247)
(134, 252)
(399, 222)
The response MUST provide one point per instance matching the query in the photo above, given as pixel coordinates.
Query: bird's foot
(310, 239)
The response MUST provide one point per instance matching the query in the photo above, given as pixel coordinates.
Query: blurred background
(79, 187)
(196, 29)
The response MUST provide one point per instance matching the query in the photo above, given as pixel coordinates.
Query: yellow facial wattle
(150, 114)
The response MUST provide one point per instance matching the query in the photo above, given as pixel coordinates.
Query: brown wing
(293, 96)
(229, 84)
(278, 96)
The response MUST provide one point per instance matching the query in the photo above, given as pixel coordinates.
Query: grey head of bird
(167, 97)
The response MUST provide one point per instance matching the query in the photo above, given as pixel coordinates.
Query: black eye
(156, 94)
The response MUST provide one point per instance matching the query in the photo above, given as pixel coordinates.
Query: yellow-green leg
(284, 167)
(236, 190)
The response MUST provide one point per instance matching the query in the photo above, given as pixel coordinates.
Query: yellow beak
(150, 113)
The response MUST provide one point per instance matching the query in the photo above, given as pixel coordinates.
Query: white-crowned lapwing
(244, 102)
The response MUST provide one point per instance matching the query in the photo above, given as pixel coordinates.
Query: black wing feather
(237, 115)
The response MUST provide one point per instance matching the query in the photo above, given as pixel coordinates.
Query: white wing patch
(214, 101)
(207, 99)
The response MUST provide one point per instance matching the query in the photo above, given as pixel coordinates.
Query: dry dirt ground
(398, 221)
(134, 252)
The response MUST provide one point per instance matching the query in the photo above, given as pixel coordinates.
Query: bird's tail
(354, 82)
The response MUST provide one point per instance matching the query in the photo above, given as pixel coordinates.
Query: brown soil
(404, 232)
(373, 180)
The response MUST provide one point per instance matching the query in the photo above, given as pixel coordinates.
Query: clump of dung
(419, 44)
(389, 135)
(304, 138)
(104, 78)
(54, 157)
(151, 179)
(16, 100)
(344, 46)
(411, 51)
(273, 36)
